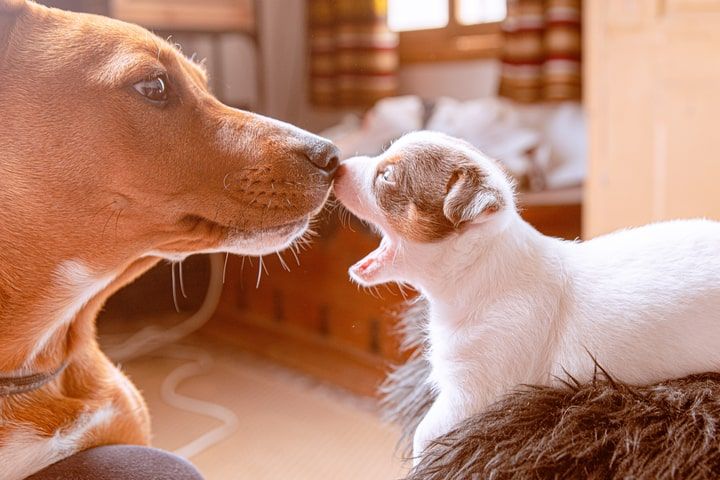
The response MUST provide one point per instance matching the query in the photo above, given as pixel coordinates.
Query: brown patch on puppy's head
(427, 192)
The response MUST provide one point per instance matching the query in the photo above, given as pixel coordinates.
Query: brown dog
(114, 154)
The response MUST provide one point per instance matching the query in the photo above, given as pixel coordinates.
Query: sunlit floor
(289, 427)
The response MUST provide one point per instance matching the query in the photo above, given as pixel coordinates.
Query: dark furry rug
(600, 430)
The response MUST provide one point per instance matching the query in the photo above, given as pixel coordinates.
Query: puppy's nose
(324, 155)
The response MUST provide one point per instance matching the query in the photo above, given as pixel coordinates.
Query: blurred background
(603, 111)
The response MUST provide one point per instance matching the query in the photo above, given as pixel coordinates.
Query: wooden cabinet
(653, 103)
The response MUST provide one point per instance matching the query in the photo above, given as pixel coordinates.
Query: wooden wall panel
(688, 66)
(652, 100)
(619, 112)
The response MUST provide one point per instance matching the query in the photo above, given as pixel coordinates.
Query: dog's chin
(265, 241)
(256, 243)
(269, 240)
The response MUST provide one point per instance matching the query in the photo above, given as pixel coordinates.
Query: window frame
(453, 42)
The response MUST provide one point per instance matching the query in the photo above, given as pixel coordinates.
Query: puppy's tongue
(369, 267)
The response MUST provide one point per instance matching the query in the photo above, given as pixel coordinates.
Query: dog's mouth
(199, 220)
(365, 270)
(254, 235)
(255, 241)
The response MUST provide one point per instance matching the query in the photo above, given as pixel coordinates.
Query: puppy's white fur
(510, 306)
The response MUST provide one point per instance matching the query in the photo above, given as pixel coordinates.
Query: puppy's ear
(469, 198)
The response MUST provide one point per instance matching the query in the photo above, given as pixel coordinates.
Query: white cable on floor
(153, 338)
(200, 362)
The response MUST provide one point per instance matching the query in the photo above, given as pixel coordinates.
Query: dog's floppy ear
(469, 198)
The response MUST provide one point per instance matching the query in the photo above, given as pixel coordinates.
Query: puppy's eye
(386, 174)
(154, 89)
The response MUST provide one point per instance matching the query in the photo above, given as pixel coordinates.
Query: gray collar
(17, 385)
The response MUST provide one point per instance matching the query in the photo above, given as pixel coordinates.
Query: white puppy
(510, 306)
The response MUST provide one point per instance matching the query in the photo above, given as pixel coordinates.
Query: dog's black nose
(324, 155)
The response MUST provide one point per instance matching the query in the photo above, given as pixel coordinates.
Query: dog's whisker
(182, 281)
(102, 208)
(373, 292)
(102, 233)
(282, 261)
(174, 287)
(117, 220)
(261, 268)
(346, 218)
(259, 274)
(395, 254)
(225, 266)
(401, 287)
(292, 250)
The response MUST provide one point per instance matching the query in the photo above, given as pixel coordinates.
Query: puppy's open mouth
(366, 269)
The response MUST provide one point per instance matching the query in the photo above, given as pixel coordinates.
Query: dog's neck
(492, 309)
(48, 305)
(475, 268)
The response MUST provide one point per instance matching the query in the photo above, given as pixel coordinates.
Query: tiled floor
(288, 426)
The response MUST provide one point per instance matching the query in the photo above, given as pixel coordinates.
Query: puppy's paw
(426, 432)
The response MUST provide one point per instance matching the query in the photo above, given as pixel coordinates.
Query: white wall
(461, 80)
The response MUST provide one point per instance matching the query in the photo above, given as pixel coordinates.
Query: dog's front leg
(442, 416)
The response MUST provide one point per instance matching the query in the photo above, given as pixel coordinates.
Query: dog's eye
(386, 174)
(154, 89)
